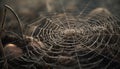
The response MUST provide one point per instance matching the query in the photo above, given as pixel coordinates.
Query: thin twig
(3, 17)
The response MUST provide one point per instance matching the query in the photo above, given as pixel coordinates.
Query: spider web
(84, 43)
(66, 41)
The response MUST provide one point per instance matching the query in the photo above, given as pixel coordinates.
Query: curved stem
(19, 21)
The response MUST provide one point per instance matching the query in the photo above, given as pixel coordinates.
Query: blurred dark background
(31, 10)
